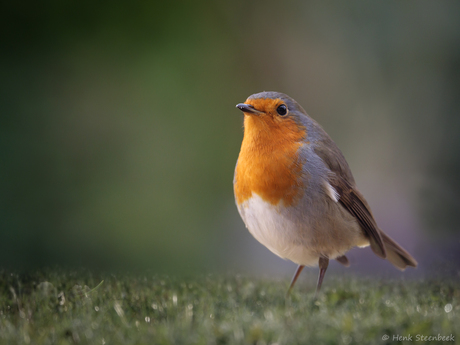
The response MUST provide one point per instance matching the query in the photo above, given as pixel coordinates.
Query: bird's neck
(269, 163)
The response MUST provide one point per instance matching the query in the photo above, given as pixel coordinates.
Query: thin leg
(294, 278)
(343, 260)
(323, 263)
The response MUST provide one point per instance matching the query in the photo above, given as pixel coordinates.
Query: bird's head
(273, 116)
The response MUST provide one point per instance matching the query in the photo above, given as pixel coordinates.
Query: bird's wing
(349, 197)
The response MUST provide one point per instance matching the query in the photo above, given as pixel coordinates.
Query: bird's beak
(249, 109)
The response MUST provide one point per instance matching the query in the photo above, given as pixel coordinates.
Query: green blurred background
(119, 133)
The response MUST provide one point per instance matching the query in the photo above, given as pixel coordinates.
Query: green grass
(58, 307)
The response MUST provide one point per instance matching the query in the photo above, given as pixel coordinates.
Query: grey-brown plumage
(353, 201)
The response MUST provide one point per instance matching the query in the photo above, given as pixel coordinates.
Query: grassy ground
(58, 307)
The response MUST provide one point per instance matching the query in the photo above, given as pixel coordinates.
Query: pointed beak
(248, 109)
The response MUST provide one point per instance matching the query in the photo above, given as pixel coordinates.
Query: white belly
(299, 236)
(276, 231)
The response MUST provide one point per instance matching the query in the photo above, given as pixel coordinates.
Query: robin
(296, 194)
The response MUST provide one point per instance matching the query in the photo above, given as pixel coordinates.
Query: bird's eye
(282, 110)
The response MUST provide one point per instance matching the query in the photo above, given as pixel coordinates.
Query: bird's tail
(397, 255)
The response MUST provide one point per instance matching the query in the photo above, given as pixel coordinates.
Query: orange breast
(269, 163)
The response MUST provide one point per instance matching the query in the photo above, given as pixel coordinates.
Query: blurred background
(119, 132)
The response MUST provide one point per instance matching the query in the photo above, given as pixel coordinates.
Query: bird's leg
(343, 260)
(323, 263)
(294, 278)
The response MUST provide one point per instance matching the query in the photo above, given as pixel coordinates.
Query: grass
(59, 307)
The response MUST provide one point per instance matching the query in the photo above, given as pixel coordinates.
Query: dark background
(119, 133)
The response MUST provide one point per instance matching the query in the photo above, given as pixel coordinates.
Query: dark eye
(282, 110)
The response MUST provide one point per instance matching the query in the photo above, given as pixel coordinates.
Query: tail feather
(398, 256)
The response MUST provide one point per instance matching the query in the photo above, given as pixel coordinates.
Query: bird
(295, 191)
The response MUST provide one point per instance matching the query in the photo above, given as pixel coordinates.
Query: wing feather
(350, 198)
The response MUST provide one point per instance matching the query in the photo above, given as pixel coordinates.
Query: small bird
(296, 194)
